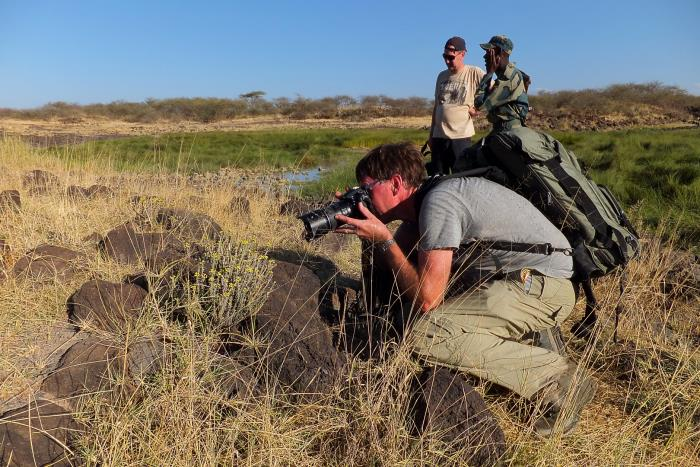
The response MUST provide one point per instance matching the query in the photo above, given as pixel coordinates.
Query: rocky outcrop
(49, 262)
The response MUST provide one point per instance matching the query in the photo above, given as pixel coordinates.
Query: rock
(444, 403)
(88, 366)
(97, 191)
(37, 434)
(235, 378)
(188, 224)
(300, 354)
(39, 182)
(126, 245)
(296, 207)
(94, 239)
(49, 262)
(332, 243)
(10, 201)
(147, 356)
(76, 192)
(683, 276)
(94, 191)
(140, 202)
(106, 305)
(239, 206)
(4, 251)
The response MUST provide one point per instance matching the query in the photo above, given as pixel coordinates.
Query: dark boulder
(10, 201)
(301, 354)
(39, 182)
(99, 191)
(296, 206)
(235, 377)
(93, 240)
(4, 251)
(76, 192)
(106, 305)
(96, 365)
(683, 277)
(188, 224)
(239, 206)
(443, 403)
(49, 262)
(125, 244)
(146, 356)
(37, 434)
(94, 191)
(88, 366)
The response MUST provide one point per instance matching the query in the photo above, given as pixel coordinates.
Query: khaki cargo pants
(478, 331)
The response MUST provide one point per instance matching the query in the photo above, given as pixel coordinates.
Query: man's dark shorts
(448, 155)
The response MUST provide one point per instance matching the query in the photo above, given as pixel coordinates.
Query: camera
(321, 221)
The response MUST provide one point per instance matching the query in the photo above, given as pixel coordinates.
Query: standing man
(451, 128)
(506, 100)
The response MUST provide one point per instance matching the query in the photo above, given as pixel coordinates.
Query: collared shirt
(506, 103)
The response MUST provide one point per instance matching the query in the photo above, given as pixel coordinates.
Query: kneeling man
(474, 300)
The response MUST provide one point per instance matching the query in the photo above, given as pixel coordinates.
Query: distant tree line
(623, 98)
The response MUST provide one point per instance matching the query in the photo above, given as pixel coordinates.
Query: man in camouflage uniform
(506, 101)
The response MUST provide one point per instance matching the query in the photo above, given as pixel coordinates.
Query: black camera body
(321, 221)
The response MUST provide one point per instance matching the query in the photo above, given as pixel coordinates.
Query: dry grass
(647, 410)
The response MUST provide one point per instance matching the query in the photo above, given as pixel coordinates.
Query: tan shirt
(454, 95)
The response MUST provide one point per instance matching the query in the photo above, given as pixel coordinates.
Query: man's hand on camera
(370, 228)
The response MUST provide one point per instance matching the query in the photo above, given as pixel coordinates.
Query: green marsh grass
(655, 171)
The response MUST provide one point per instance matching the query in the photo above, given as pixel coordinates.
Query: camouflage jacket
(506, 103)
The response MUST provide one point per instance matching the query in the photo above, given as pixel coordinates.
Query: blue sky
(101, 51)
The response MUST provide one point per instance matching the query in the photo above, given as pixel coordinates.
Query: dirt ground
(73, 130)
(79, 129)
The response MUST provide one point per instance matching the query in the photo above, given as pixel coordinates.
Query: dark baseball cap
(457, 43)
(502, 42)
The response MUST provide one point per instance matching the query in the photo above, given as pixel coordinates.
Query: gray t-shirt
(460, 211)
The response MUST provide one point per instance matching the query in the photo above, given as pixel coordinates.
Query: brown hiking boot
(562, 402)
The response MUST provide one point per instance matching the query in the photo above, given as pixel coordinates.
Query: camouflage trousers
(479, 331)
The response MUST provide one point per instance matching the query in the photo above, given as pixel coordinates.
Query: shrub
(232, 282)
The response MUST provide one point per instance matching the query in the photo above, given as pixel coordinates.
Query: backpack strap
(489, 172)
(581, 198)
(536, 248)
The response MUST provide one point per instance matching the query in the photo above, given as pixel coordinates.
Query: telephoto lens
(321, 221)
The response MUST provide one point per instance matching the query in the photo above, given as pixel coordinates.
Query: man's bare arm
(425, 284)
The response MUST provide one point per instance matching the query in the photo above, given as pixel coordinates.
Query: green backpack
(541, 169)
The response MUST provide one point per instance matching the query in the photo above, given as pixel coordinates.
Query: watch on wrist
(385, 245)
